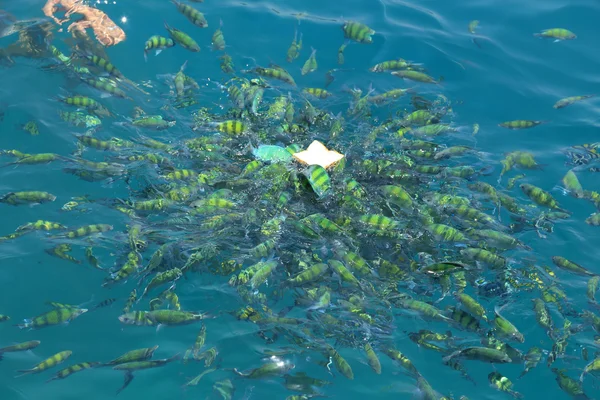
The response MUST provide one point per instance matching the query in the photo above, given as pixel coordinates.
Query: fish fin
(128, 378)
(183, 67)
(24, 372)
(145, 57)
(26, 324)
(157, 52)
(451, 356)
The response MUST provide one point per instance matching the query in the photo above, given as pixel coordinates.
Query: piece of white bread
(317, 154)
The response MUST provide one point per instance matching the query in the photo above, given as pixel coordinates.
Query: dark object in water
(491, 289)
(10, 25)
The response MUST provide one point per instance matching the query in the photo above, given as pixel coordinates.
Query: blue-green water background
(513, 76)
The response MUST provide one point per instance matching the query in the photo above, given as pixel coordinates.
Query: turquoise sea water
(509, 75)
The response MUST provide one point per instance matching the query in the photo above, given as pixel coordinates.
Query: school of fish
(324, 260)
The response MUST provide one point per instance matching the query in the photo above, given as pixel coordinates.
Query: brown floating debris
(105, 30)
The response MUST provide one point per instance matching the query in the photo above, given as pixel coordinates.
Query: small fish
(153, 122)
(275, 368)
(532, 359)
(130, 301)
(64, 373)
(218, 40)
(569, 385)
(104, 303)
(571, 183)
(592, 367)
(340, 54)
(24, 346)
(570, 266)
(473, 26)
(592, 288)
(311, 64)
(107, 86)
(226, 64)
(147, 364)
(372, 358)
(417, 76)
(160, 317)
(557, 33)
(32, 128)
(193, 15)
(294, 49)
(182, 39)
(50, 362)
(358, 32)
(540, 196)
(503, 384)
(483, 354)
(505, 328)
(317, 92)
(512, 181)
(134, 355)
(56, 316)
(567, 101)
(157, 43)
(472, 306)
(161, 278)
(30, 197)
(520, 124)
(593, 219)
(319, 180)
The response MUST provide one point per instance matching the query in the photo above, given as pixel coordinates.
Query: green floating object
(269, 153)
(319, 179)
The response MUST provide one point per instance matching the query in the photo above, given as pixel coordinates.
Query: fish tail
(26, 324)
(184, 66)
(451, 356)
(145, 56)
(24, 372)
(206, 315)
(515, 395)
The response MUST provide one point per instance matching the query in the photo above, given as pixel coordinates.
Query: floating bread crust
(318, 154)
(105, 30)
